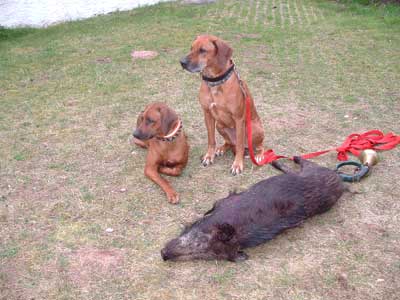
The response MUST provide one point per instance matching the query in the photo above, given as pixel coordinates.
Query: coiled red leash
(354, 143)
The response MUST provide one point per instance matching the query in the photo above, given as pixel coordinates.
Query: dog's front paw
(223, 149)
(220, 151)
(173, 197)
(237, 168)
(207, 160)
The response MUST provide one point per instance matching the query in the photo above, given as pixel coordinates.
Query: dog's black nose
(184, 62)
(137, 134)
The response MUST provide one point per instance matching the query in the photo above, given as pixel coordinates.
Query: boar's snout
(218, 241)
(164, 255)
(170, 251)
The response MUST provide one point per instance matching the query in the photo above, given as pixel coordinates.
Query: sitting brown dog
(159, 129)
(222, 98)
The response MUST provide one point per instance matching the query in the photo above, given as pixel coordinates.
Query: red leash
(354, 143)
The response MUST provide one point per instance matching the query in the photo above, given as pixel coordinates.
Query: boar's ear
(225, 232)
(186, 227)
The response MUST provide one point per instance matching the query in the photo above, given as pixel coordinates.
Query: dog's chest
(218, 104)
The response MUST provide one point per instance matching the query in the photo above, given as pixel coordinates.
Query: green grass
(69, 98)
(8, 252)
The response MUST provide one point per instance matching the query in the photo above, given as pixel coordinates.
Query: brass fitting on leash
(368, 157)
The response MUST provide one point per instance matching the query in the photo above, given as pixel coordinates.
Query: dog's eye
(150, 121)
(202, 50)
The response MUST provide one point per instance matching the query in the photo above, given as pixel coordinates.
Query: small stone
(346, 116)
(123, 190)
(380, 280)
(342, 278)
(104, 60)
(109, 230)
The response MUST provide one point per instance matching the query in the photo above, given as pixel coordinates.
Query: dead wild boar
(258, 214)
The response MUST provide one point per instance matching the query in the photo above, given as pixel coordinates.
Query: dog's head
(207, 53)
(157, 119)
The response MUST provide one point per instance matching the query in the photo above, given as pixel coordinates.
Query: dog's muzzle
(189, 66)
(184, 62)
(140, 135)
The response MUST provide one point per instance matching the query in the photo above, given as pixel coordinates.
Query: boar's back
(273, 205)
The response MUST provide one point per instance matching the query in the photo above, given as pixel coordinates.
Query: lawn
(78, 219)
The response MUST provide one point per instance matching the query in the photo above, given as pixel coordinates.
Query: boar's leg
(282, 167)
(304, 164)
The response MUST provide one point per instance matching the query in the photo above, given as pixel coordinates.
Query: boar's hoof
(240, 256)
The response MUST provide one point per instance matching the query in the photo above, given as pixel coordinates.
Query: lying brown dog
(159, 129)
(223, 101)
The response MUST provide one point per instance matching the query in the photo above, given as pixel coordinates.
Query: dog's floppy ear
(168, 118)
(139, 119)
(224, 52)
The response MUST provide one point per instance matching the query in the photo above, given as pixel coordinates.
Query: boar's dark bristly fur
(258, 214)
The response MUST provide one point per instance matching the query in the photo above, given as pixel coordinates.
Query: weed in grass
(8, 252)
(87, 194)
(20, 157)
(350, 99)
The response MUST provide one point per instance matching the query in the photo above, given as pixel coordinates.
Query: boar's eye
(203, 239)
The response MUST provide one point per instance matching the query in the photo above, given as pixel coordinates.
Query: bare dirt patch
(288, 115)
(104, 60)
(86, 264)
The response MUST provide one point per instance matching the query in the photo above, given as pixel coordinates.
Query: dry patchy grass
(70, 95)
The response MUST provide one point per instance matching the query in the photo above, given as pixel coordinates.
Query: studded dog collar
(173, 135)
(214, 81)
